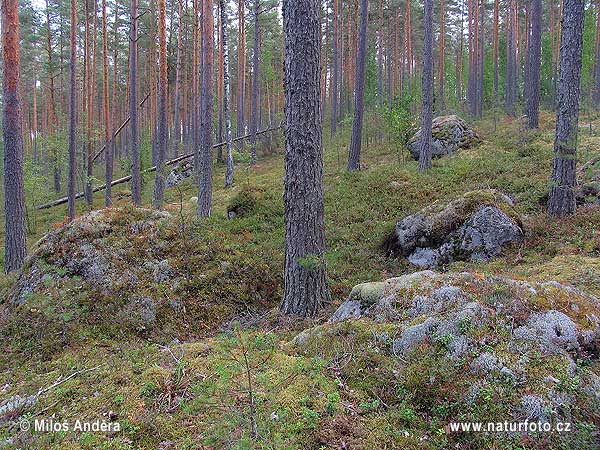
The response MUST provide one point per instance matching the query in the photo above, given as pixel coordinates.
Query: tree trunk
(177, 106)
(108, 149)
(534, 60)
(509, 101)
(206, 129)
(427, 113)
(596, 89)
(496, 44)
(441, 68)
(380, 56)
(162, 119)
(52, 121)
(15, 247)
(241, 71)
(359, 96)
(255, 80)
(335, 75)
(136, 176)
(305, 284)
(226, 113)
(72, 114)
(561, 200)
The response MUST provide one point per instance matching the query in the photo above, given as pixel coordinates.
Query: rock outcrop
(180, 173)
(471, 333)
(450, 134)
(473, 227)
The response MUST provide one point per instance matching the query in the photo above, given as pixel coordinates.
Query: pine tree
(206, 130)
(162, 121)
(72, 113)
(136, 176)
(359, 95)
(226, 113)
(561, 200)
(108, 142)
(427, 113)
(15, 246)
(305, 285)
(534, 60)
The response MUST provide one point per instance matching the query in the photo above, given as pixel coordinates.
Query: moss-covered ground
(204, 388)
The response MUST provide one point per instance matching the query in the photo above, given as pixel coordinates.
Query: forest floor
(183, 382)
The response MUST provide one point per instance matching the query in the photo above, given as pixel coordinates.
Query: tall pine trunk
(72, 114)
(427, 113)
(335, 75)
(596, 89)
(161, 118)
(359, 96)
(534, 60)
(241, 68)
(206, 130)
(441, 68)
(561, 200)
(108, 149)
(255, 79)
(15, 246)
(305, 283)
(226, 113)
(136, 176)
(177, 106)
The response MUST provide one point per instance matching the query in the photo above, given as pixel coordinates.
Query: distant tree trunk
(107, 131)
(441, 68)
(511, 62)
(305, 282)
(136, 176)
(176, 111)
(162, 120)
(359, 96)
(427, 113)
(241, 69)
(255, 80)
(52, 119)
(496, 52)
(229, 170)
(15, 246)
(596, 90)
(72, 114)
(206, 131)
(534, 60)
(334, 78)
(472, 38)
(459, 59)
(480, 58)
(380, 56)
(195, 90)
(561, 200)
(89, 195)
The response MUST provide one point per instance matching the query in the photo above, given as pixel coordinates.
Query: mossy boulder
(450, 134)
(243, 203)
(486, 348)
(475, 226)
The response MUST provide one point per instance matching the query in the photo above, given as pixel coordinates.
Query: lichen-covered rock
(180, 173)
(450, 134)
(474, 227)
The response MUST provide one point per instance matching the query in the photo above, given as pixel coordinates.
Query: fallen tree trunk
(63, 200)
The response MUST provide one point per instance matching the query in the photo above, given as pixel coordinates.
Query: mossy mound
(120, 271)
(439, 348)
(243, 203)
